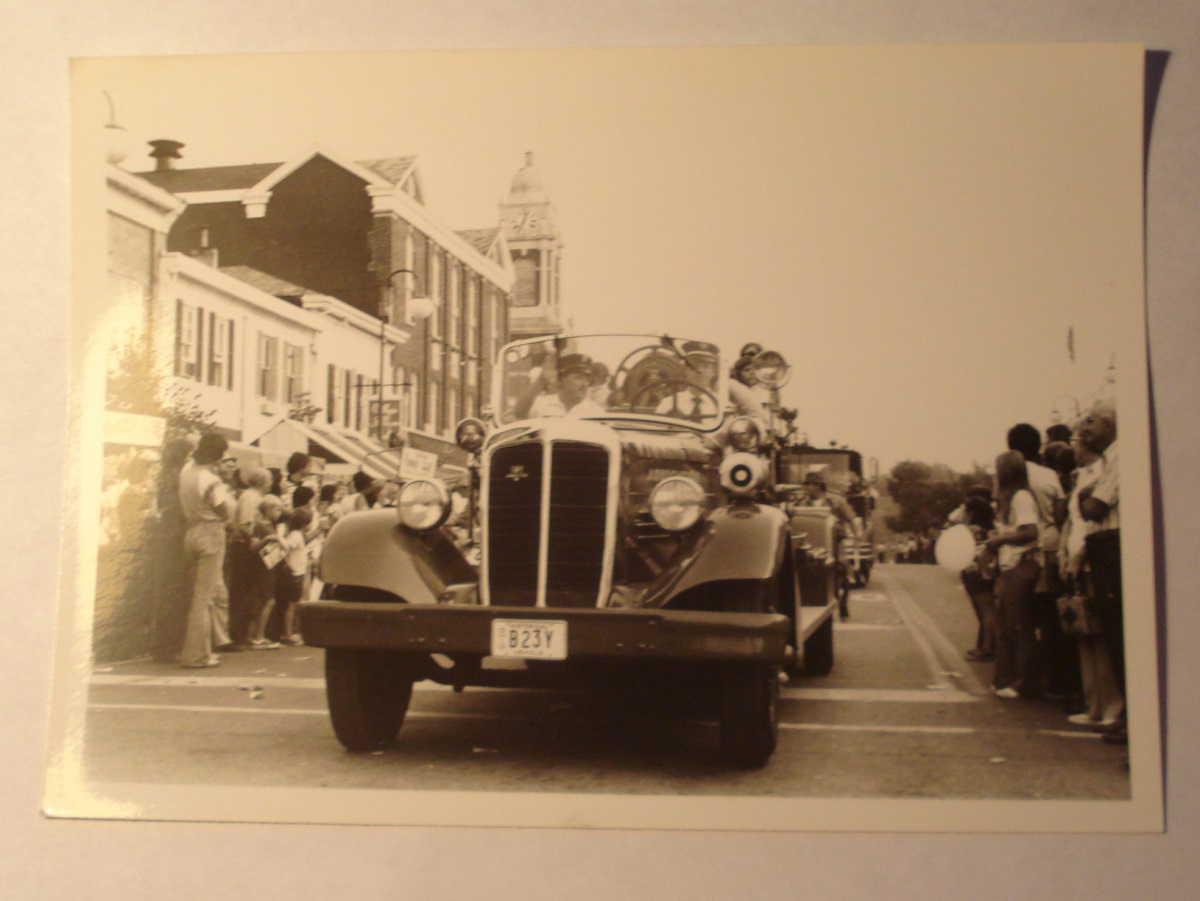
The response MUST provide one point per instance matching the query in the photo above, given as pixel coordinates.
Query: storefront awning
(358, 451)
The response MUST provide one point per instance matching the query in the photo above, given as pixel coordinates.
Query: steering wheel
(627, 363)
(671, 388)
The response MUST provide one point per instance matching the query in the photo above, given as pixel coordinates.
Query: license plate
(529, 639)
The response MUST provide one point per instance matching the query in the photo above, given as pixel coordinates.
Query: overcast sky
(915, 229)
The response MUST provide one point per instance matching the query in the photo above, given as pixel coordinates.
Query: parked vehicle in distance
(629, 531)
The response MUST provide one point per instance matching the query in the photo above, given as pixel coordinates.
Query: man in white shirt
(575, 377)
(206, 505)
(1057, 654)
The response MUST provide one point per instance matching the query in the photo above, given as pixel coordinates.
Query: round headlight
(744, 434)
(422, 505)
(676, 503)
(742, 474)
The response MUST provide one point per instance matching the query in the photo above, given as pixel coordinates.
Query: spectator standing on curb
(206, 506)
(1055, 669)
(245, 566)
(172, 585)
(1015, 545)
(290, 587)
(1100, 506)
(979, 579)
(1102, 698)
(267, 549)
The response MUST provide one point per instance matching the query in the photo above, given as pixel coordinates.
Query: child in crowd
(268, 550)
(295, 569)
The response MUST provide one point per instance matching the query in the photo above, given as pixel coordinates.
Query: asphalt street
(902, 715)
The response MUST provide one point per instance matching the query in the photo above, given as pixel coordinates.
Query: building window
(331, 382)
(420, 265)
(293, 372)
(453, 412)
(433, 408)
(412, 400)
(220, 351)
(268, 366)
(187, 337)
(437, 292)
(471, 312)
(526, 287)
(358, 402)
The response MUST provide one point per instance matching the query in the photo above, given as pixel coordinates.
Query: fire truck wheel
(818, 650)
(368, 694)
(749, 710)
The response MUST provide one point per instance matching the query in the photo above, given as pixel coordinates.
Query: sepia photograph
(685, 438)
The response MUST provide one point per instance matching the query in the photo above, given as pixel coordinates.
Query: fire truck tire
(368, 694)
(818, 650)
(749, 715)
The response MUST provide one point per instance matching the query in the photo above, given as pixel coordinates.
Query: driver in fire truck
(568, 397)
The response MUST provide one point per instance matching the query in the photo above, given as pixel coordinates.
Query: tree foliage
(927, 494)
(135, 386)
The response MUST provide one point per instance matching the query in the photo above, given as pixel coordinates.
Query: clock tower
(528, 221)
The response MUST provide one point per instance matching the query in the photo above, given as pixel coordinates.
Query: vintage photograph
(680, 438)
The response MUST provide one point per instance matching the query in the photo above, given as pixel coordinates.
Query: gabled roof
(395, 169)
(482, 239)
(268, 284)
(213, 178)
(392, 170)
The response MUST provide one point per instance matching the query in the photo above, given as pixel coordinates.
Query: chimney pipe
(164, 152)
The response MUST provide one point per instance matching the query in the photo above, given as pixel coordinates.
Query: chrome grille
(578, 500)
(576, 521)
(512, 523)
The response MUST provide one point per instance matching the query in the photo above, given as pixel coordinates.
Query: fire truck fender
(743, 542)
(371, 550)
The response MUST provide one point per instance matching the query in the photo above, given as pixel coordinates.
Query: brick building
(354, 242)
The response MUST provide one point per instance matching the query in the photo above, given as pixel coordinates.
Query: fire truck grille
(578, 509)
(575, 538)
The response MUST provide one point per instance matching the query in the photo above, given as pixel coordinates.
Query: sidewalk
(289, 661)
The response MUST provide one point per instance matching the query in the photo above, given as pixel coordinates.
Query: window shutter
(178, 335)
(199, 344)
(229, 361)
(212, 347)
(331, 389)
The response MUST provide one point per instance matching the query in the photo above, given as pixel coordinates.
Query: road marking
(208, 681)
(871, 597)
(946, 695)
(867, 627)
(886, 695)
(440, 715)
(830, 727)
(1063, 733)
(932, 642)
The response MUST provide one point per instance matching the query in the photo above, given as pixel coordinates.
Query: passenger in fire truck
(697, 401)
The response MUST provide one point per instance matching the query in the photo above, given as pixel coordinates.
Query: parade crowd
(1045, 584)
(238, 546)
